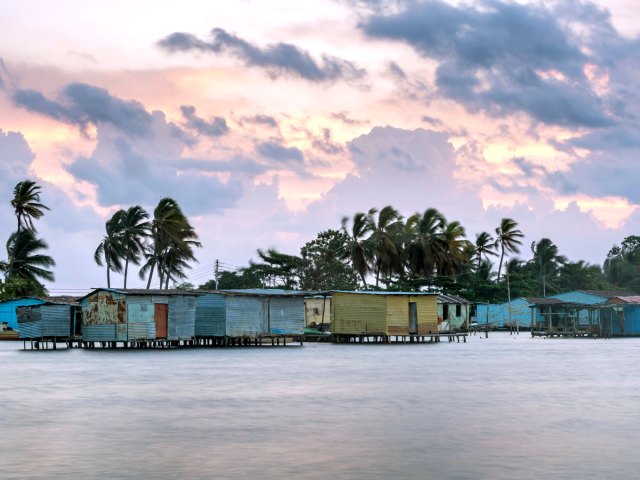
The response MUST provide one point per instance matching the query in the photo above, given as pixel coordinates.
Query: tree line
(376, 249)
(381, 250)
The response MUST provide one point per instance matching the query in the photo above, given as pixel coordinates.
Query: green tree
(27, 207)
(581, 276)
(321, 267)
(28, 263)
(173, 240)
(110, 247)
(485, 245)
(455, 250)
(278, 270)
(132, 231)
(243, 278)
(622, 265)
(546, 262)
(358, 248)
(508, 238)
(425, 245)
(384, 241)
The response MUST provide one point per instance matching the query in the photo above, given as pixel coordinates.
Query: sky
(269, 121)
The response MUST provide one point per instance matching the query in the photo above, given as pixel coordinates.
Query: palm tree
(27, 263)
(508, 237)
(547, 260)
(132, 230)
(27, 207)
(455, 249)
(425, 244)
(384, 239)
(358, 248)
(485, 245)
(110, 247)
(173, 241)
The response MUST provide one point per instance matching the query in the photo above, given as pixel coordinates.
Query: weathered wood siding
(210, 315)
(356, 314)
(286, 315)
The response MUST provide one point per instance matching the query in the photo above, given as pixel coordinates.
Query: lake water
(503, 407)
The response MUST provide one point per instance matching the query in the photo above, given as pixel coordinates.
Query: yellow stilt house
(384, 314)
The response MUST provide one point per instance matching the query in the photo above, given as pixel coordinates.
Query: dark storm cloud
(278, 59)
(81, 104)
(214, 128)
(280, 153)
(501, 58)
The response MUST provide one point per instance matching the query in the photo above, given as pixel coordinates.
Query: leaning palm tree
(357, 247)
(28, 264)
(384, 238)
(425, 244)
(170, 229)
(133, 229)
(485, 246)
(110, 247)
(455, 250)
(27, 207)
(508, 237)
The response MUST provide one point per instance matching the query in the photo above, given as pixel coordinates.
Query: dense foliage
(379, 249)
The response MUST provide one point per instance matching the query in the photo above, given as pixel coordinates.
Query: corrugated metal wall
(40, 321)
(210, 315)
(246, 316)
(102, 312)
(141, 325)
(427, 313)
(357, 314)
(8, 310)
(398, 315)
(182, 317)
(286, 315)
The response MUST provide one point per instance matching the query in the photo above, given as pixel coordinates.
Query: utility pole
(216, 272)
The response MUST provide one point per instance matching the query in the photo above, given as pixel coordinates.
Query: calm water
(498, 408)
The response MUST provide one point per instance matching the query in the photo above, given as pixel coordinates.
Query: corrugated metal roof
(444, 298)
(265, 292)
(141, 291)
(628, 298)
(544, 301)
(609, 293)
(368, 292)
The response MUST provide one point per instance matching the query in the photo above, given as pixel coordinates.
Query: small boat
(7, 333)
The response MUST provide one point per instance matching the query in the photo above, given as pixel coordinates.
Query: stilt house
(453, 313)
(110, 315)
(384, 313)
(51, 320)
(249, 313)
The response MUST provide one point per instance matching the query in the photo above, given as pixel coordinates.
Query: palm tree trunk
(126, 268)
(501, 259)
(108, 276)
(153, 266)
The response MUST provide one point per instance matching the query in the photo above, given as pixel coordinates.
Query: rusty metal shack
(135, 315)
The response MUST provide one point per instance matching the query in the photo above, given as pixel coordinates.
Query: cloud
(280, 153)
(278, 59)
(214, 128)
(81, 104)
(267, 120)
(140, 170)
(501, 58)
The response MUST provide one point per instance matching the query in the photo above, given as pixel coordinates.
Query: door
(160, 317)
(413, 318)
